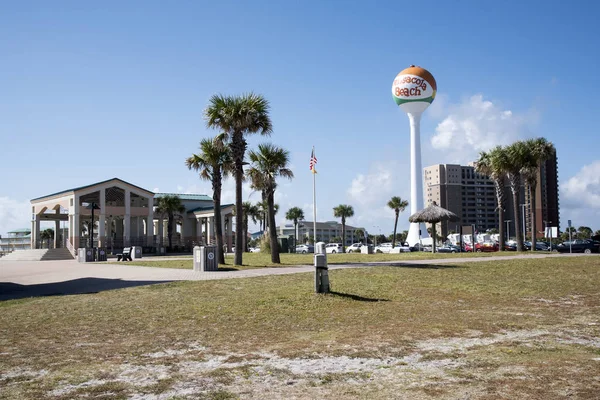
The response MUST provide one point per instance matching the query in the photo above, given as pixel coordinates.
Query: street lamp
(508, 221)
(379, 229)
(92, 206)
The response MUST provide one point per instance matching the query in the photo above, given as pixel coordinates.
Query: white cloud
(477, 125)
(368, 189)
(369, 193)
(14, 214)
(583, 189)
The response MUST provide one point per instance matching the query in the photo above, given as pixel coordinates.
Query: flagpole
(314, 204)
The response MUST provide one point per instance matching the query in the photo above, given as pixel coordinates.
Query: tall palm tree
(516, 156)
(237, 117)
(169, 206)
(398, 205)
(343, 211)
(492, 164)
(295, 214)
(538, 151)
(250, 212)
(213, 163)
(268, 163)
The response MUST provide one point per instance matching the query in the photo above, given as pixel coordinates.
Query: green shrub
(265, 244)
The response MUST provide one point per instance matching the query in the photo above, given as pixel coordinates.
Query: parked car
(483, 247)
(254, 249)
(420, 247)
(333, 248)
(383, 248)
(448, 248)
(401, 248)
(510, 246)
(487, 246)
(579, 246)
(354, 247)
(305, 248)
(539, 246)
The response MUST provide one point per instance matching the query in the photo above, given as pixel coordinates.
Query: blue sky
(116, 89)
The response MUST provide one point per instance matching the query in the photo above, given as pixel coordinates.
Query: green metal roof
(22, 230)
(184, 196)
(209, 208)
(87, 186)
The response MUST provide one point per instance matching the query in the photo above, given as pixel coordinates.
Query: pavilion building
(125, 215)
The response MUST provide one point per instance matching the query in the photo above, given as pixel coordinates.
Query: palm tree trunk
(295, 235)
(532, 186)
(170, 230)
(218, 218)
(272, 231)
(343, 235)
(498, 184)
(395, 226)
(515, 185)
(245, 233)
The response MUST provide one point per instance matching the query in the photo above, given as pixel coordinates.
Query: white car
(401, 248)
(333, 248)
(354, 247)
(384, 248)
(254, 249)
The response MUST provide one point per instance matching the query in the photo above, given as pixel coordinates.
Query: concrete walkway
(20, 279)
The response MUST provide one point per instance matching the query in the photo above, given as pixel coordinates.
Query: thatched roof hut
(433, 214)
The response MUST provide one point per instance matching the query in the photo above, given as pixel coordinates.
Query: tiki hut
(433, 214)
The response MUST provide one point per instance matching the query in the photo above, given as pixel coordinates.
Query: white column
(150, 227)
(210, 232)
(416, 178)
(127, 219)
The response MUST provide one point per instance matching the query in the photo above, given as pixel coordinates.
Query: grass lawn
(510, 329)
(262, 260)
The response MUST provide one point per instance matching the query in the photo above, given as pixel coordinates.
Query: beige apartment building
(463, 191)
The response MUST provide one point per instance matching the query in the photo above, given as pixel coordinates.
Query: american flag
(313, 161)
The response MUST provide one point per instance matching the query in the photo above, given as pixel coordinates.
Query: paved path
(20, 279)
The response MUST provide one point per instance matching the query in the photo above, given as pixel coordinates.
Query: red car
(485, 246)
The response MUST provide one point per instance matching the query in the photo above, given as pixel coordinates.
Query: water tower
(414, 90)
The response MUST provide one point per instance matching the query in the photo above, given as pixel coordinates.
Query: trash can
(366, 249)
(205, 258)
(81, 255)
(90, 254)
(136, 252)
(101, 254)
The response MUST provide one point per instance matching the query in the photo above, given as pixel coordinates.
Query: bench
(125, 255)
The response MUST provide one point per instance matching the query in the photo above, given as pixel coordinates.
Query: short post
(321, 270)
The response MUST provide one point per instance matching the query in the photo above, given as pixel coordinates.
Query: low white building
(125, 215)
(326, 231)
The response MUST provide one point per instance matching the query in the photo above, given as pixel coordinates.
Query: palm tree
(360, 234)
(237, 117)
(537, 152)
(343, 211)
(213, 163)
(584, 232)
(170, 206)
(268, 163)
(295, 214)
(47, 234)
(250, 211)
(398, 205)
(512, 163)
(492, 164)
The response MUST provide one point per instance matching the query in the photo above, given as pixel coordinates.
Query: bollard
(321, 270)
